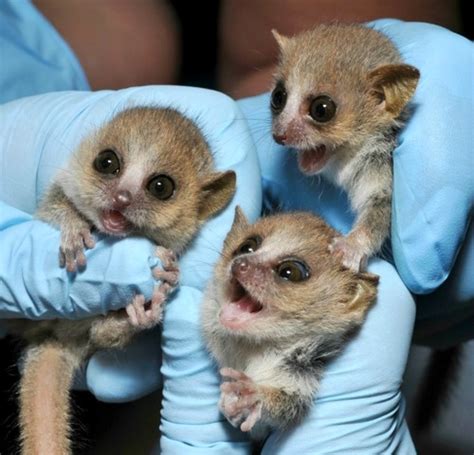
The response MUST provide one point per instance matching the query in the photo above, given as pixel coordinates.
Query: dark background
(199, 31)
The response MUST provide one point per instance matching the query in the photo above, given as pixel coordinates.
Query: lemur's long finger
(252, 418)
(170, 277)
(70, 260)
(88, 238)
(243, 403)
(139, 305)
(165, 288)
(81, 260)
(233, 374)
(130, 309)
(168, 258)
(238, 388)
(156, 307)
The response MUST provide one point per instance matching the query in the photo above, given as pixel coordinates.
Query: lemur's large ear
(217, 191)
(280, 39)
(240, 220)
(239, 225)
(365, 292)
(394, 86)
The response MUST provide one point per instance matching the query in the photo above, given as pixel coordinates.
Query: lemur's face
(327, 95)
(142, 174)
(277, 278)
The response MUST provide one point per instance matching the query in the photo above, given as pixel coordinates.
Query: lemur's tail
(44, 399)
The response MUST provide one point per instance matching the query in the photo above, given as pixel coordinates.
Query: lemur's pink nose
(122, 199)
(240, 266)
(280, 138)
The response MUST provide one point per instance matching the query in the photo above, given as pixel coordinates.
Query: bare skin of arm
(123, 43)
(247, 60)
(120, 43)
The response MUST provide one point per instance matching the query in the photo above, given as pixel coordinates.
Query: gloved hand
(39, 132)
(32, 285)
(193, 424)
(190, 420)
(433, 184)
(35, 59)
(359, 408)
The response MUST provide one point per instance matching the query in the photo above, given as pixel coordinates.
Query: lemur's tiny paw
(145, 315)
(350, 253)
(240, 400)
(170, 272)
(71, 251)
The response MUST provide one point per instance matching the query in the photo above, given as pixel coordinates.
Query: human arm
(33, 286)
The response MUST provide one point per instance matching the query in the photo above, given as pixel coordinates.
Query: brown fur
(46, 415)
(149, 141)
(361, 71)
(153, 141)
(342, 61)
(280, 351)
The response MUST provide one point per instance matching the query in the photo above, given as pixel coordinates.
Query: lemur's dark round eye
(322, 109)
(161, 186)
(107, 162)
(293, 270)
(278, 99)
(249, 246)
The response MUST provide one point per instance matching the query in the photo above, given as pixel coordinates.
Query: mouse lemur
(340, 95)
(148, 172)
(278, 307)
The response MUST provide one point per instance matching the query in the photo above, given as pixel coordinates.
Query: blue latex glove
(190, 420)
(191, 423)
(433, 163)
(34, 58)
(39, 132)
(32, 285)
(359, 408)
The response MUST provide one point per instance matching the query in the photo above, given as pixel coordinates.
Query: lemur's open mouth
(115, 223)
(240, 309)
(313, 160)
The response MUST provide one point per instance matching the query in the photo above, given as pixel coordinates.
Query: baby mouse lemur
(340, 96)
(148, 172)
(279, 306)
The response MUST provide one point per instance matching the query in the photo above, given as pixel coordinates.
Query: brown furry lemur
(340, 95)
(148, 171)
(279, 306)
